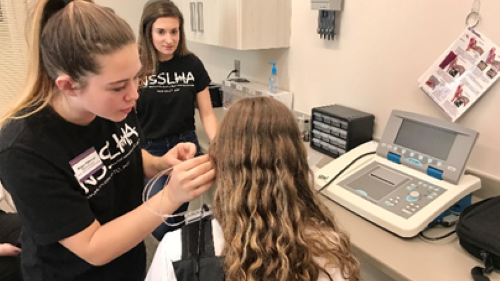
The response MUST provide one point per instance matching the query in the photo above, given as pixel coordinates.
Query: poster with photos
(462, 74)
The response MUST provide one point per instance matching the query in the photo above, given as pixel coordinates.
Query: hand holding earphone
(176, 155)
(189, 179)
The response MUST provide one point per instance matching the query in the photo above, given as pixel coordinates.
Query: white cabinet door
(229, 23)
(255, 24)
(189, 20)
(237, 24)
(213, 22)
(264, 24)
(188, 9)
(207, 13)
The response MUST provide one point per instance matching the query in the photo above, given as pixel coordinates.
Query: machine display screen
(425, 138)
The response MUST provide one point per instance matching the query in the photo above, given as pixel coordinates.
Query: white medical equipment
(415, 177)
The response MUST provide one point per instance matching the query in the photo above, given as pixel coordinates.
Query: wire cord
(344, 169)
(230, 73)
(146, 193)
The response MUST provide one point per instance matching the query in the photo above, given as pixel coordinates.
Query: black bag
(215, 96)
(198, 261)
(478, 230)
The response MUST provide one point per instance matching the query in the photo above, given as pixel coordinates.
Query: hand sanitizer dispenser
(273, 79)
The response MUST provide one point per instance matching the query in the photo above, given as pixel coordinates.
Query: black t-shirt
(166, 103)
(41, 159)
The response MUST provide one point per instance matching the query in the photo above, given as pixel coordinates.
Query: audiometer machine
(414, 177)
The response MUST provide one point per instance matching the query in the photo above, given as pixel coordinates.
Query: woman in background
(173, 80)
(269, 224)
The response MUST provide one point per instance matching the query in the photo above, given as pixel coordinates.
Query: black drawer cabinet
(335, 129)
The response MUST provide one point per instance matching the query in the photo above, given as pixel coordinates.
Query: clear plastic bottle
(307, 131)
(273, 79)
(300, 120)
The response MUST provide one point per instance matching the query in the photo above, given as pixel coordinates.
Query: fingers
(202, 189)
(171, 160)
(7, 249)
(179, 153)
(16, 250)
(186, 150)
(194, 163)
(205, 176)
(190, 179)
(195, 172)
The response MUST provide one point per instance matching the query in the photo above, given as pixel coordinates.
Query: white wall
(130, 10)
(372, 65)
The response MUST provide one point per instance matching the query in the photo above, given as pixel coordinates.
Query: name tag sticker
(86, 164)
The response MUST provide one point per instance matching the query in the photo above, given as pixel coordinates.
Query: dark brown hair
(154, 10)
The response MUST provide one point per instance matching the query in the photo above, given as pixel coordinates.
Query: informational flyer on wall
(463, 73)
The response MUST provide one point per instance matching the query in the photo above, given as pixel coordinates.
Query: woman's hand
(179, 153)
(189, 179)
(9, 250)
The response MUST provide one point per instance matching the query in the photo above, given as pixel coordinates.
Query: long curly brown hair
(274, 226)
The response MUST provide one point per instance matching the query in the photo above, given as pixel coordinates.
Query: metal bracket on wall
(326, 24)
(327, 13)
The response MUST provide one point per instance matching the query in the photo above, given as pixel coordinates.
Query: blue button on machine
(411, 199)
(394, 158)
(435, 173)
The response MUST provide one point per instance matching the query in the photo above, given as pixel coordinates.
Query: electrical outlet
(237, 68)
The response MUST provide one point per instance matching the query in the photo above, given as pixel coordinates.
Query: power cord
(447, 221)
(230, 73)
(146, 194)
(344, 169)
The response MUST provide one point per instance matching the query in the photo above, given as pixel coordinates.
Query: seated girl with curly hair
(268, 223)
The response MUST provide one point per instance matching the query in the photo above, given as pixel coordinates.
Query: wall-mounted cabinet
(237, 24)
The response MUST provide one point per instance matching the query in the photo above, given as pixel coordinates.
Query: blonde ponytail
(56, 27)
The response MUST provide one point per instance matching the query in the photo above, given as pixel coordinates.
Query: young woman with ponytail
(70, 151)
